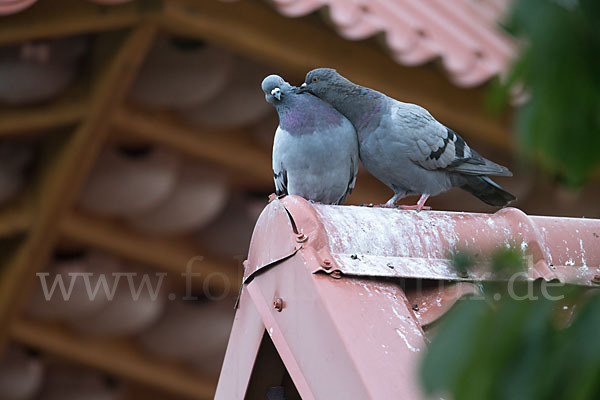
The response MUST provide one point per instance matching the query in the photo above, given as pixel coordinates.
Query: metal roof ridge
(374, 242)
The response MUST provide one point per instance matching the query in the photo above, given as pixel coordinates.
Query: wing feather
(280, 182)
(437, 147)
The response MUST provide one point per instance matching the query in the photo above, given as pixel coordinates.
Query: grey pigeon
(403, 146)
(315, 151)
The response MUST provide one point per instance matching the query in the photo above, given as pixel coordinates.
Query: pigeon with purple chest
(403, 146)
(315, 151)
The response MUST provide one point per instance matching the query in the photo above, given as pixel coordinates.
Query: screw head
(301, 237)
(336, 274)
(326, 264)
(278, 304)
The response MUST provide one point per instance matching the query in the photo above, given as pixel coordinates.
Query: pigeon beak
(276, 93)
(303, 88)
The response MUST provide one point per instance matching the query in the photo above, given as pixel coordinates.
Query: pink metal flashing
(313, 284)
(379, 242)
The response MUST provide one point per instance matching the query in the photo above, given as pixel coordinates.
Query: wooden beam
(66, 173)
(258, 31)
(167, 254)
(56, 18)
(116, 356)
(15, 218)
(64, 112)
(234, 150)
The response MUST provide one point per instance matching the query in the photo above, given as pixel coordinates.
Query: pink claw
(413, 207)
(419, 206)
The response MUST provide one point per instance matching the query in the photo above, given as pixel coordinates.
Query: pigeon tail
(487, 191)
(479, 166)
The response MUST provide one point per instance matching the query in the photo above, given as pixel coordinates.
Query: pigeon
(315, 151)
(405, 147)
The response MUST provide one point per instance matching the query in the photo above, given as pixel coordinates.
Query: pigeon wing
(433, 146)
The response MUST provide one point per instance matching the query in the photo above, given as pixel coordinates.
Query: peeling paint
(402, 335)
(419, 245)
(524, 246)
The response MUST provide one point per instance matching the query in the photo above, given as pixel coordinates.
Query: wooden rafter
(15, 218)
(47, 19)
(116, 356)
(171, 255)
(15, 121)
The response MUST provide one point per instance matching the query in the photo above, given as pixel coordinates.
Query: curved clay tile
(464, 34)
(21, 373)
(8, 7)
(181, 73)
(38, 71)
(130, 180)
(180, 212)
(240, 102)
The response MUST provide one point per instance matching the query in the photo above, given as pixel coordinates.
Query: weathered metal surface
(242, 349)
(406, 244)
(273, 239)
(340, 339)
(311, 284)
(431, 303)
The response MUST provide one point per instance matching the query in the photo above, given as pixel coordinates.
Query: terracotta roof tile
(464, 34)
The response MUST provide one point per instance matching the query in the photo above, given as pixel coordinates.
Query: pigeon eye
(315, 79)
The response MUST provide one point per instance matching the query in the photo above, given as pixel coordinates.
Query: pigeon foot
(413, 207)
(419, 206)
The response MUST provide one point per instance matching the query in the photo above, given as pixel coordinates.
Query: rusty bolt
(278, 304)
(596, 280)
(301, 237)
(326, 264)
(336, 274)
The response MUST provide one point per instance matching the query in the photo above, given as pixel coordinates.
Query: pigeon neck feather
(361, 105)
(301, 114)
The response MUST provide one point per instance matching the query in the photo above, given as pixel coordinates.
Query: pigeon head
(319, 80)
(275, 89)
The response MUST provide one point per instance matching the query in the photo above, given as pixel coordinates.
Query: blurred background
(135, 154)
